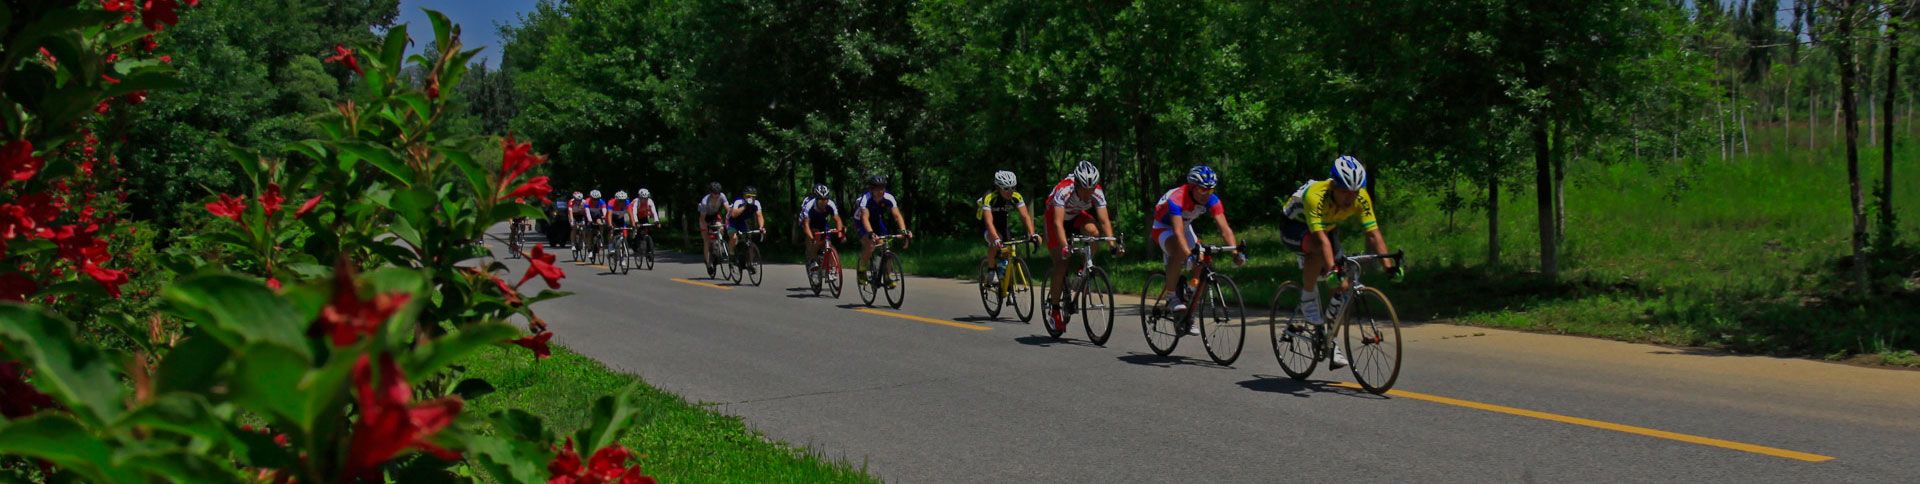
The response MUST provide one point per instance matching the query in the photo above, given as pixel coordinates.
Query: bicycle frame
(1203, 272)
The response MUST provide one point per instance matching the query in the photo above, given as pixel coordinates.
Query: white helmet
(1349, 174)
(1086, 175)
(1003, 179)
(620, 195)
(576, 195)
(645, 194)
(594, 194)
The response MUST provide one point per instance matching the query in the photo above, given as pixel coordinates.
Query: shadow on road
(1302, 389)
(1149, 359)
(1046, 341)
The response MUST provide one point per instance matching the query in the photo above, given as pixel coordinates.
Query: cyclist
(619, 215)
(814, 214)
(996, 208)
(713, 209)
(872, 226)
(1075, 203)
(1312, 213)
(1173, 228)
(748, 205)
(596, 223)
(641, 211)
(576, 220)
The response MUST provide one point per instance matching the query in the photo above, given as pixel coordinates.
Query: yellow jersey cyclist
(996, 210)
(1313, 212)
(1173, 221)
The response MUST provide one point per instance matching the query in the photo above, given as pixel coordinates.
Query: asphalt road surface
(980, 400)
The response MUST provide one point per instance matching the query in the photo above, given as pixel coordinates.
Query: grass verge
(676, 441)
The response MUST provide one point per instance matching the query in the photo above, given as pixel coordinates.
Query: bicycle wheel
(989, 291)
(573, 241)
(753, 263)
(1155, 321)
(1096, 306)
(734, 271)
(617, 257)
(864, 274)
(893, 279)
(1373, 340)
(1295, 343)
(1065, 306)
(816, 275)
(646, 253)
(1223, 320)
(1019, 288)
(834, 274)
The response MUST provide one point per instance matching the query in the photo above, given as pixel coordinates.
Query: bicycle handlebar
(1396, 255)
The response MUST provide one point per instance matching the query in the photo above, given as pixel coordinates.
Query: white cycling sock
(1310, 305)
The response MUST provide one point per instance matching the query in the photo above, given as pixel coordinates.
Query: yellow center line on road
(1757, 449)
(698, 283)
(974, 327)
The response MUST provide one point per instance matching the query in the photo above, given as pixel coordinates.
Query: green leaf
(147, 81)
(79, 375)
(381, 157)
(238, 311)
(418, 102)
(267, 379)
(611, 416)
(442, 29)
(78, 287)
(508, 461)
(476, 176)
(193, 365)
(248, 161)
(183, 466)
(395, 49)
(472, 388)
(310, 148)
(546, 294)
(455, 346)
(61, 440)
(181, 413)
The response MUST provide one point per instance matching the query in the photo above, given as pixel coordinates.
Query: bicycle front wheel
(1295, 343)
(893, 279)
(864, 274)
(1373, 340)
(833, 275)
(753, 263)
(646, 253)
(1159, 325)
(1019, 289)
(1223, 320)
(1096, 306)
(989, 291)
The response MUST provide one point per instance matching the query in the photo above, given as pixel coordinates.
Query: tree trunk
(1745, 149)
(1493, 212)
(1888, 222)
(1543, 190)
(1849, 70)
(1873, 129)
(1812, 109)
(1720, 118)
(1786, 117)
(1559, 182)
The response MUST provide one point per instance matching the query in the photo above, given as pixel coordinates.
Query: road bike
(1372, 328)
(746, 259)
(643, 247)
(1008, 282)
(1213, 302)
(717, 252)
(576, 235)
(619, 254)
(1087, 293)
(823, 272)
(516, 236)
(884, 274)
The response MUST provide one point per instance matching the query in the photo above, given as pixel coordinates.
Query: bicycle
(717, 252)
(1300, 345)
(644, 251)
(1087, 289)
(1222, 313)
(596, 243)
(516, 237)
(1008, 281)
(618, 253)
(576, 235)
(890, 277)
(746, 259)
(824, 271)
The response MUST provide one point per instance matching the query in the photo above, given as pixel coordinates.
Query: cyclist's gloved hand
(1239, 259)
(1397, 273)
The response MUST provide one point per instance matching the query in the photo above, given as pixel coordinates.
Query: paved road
(921, 402)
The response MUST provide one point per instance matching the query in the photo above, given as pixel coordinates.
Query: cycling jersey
(1178, 202)
(577, 208)
(877, 207)
(1002, 208)
(1312, 205)
(748, 207)
(1063, 196)
(596, 209)
(818, 212)
(620, 212)
(712, 204)
(643, 210)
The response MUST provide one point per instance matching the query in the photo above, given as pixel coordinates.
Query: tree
(1845, 19)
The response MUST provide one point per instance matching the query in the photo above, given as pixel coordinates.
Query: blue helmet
(1349, 174)
(1202, 176)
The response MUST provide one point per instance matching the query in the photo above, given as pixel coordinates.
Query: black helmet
(877, 181)
(713, 187)
(821, 191)
(751, 191)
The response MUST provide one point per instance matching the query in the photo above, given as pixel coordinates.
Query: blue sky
(475, 17)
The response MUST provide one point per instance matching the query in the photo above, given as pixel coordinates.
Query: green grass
(675, 441)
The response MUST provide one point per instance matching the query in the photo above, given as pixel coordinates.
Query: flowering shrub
(321, 349)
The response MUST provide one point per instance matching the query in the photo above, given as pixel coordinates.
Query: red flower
(537, 187)
(347, 317)
(17, 161)
(346, 55)
(229, 206)
(16, 287)
(515, 159)
(124, 6)
(147, 43)
(21, 398)
(542, 265)
(273, 283)
(306, 208)
(158, 14)
(607, 466)
(272, 199)
(167, 59)
(537, 343)
(135, 97)
(109, 80)
(109, 278)
(389, 422)
(29, 216)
